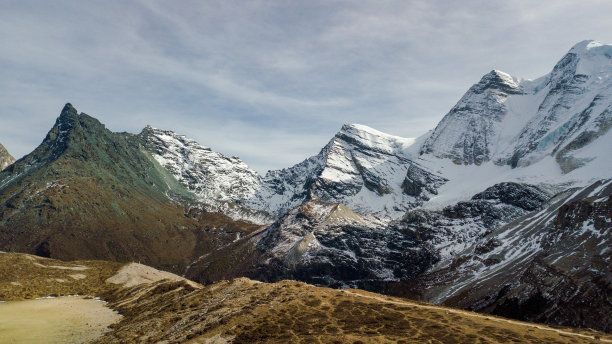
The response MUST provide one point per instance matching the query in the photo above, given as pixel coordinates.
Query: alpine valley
(505, 207)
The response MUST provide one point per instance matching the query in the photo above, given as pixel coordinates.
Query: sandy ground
(70, 319)
(134, 274)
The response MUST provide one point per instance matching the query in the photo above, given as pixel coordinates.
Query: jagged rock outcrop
(218, 181)
(328, 244)
(549, 266)
(5, 158)
(368, 171)
(453, 228)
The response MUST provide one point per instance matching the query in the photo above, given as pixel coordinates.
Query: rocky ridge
(551, 265)
(520, 122)
(88, 193)
(218, 181)
(366, 170)
(328, 244)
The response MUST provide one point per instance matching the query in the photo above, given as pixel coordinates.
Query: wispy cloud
(269, 81)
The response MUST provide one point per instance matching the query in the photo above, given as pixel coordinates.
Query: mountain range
(504, 207)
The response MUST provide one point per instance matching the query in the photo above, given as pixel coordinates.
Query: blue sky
(269, 81)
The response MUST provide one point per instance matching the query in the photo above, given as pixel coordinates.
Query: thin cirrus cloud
(269, 81)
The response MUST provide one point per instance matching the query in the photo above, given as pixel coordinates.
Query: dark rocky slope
(327, 244)
(551, 266)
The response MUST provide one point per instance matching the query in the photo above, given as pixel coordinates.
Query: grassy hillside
(89, 193)
(245, 311)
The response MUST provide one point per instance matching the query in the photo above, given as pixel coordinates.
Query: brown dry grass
(245, 311)
(24, 276)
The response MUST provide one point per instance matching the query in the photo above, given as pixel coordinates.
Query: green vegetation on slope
(88, 193)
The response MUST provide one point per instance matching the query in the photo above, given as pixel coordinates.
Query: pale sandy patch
(134, 274)
(76, 268)
(68, 319)
(78, 276)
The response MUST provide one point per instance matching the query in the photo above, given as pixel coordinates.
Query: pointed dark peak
(67, 120)
(68, 114)
(70, 119)
(68, 110)
(497, 80)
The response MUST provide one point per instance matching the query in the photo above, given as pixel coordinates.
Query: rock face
(518, 123)
(330, 245)
(368, 171)
(467, 132)
(5, 158)
(455, 227)
(217, 181)
(88, 193)
(549, 266)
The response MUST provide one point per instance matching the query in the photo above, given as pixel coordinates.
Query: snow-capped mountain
(521, 122)
(5, 158)
(503, 129)
(477, 199)
(489, 209)
(368, 171)
(217, 180)
(466, 133)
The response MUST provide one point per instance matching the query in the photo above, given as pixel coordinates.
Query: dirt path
(68, 319)
(476, 315)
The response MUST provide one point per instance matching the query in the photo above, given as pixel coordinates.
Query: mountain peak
(67, 119)
(592, 54)
(366, 137)
(68, 109)
(352, 127)
(588, 58)
(589, 46)
(497, 80)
